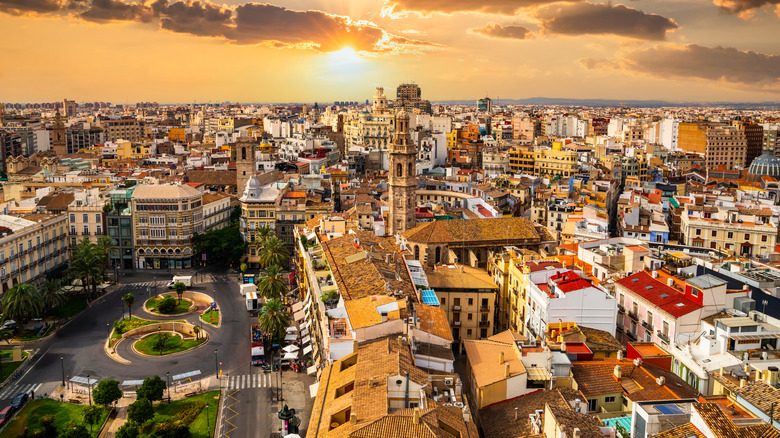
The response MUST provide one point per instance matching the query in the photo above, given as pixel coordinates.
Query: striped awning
(754, 337)
(538, 373)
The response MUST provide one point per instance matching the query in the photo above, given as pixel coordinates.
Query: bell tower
(243, 154)
(402, 178)
(58, 142)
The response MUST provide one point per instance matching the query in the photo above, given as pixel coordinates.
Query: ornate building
(401, 178)
(58, 141)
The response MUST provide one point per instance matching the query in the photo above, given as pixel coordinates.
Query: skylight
(634, 280)
(680, 304)
(648, 287)
(664, 295)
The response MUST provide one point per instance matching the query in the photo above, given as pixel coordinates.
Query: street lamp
(216, 363)
(89, 390)
(62, 363)
(116, 273)
(168, 382)
(208, 422)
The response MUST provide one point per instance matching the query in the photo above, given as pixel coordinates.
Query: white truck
(245, 288)
(186, 279)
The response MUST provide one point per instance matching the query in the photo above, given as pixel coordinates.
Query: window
(714, 233)
(86, 229)
(144, 232)
(763, 237)
(172, 220)
(143, 220)
(471, 301)
(747, 236)
(468, 332)
(698, 231)
(443, 301)
(456, 301)
(98, 218)
(470, 316)
(592, 405)
(610, 399)
(84, 217)
(173, 232)
(483, 333)
(730, 235)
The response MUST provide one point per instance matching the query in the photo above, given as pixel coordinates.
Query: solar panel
(429, 297)
(669, 409)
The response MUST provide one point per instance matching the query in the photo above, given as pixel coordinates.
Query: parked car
(19, 401)
(5, 414)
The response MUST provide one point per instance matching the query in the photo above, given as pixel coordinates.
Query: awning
(307, 349)
(292, 329)
(306, 340)
(754, 337)
(305, 324)
(290, 356)
(297, 307)
(538, 373)
(307, 306)
(290, 348)
(308, 298)
(313, 389)
(291, 337)
(311, 370)
(299, 316)
(83, 381)
(257, 351)
(305, 332)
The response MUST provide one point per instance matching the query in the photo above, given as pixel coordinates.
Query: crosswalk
(246, 381)
(204, 278)
(11, 390)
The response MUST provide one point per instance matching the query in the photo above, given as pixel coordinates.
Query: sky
(195, 51)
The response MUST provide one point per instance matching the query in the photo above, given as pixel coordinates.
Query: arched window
(409, 171)
(243, 153)
(438, 254)
(399, 170)
(416, 252)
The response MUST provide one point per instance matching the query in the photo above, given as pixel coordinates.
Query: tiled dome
(765, 165)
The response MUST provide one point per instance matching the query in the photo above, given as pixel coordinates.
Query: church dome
(765, 165)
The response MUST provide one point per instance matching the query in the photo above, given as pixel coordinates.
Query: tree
(49, 430)
(129, 299)
(6, 335)
(243, 267)
(140, 411)
(88, 263)
(179, 288)
(107, 392)
(52, 294)
(274, 253)
(264, 232)
(274, 319)
(171, 429)
(127, 430)
(21, 302)
(159, 343)
(196, 330)
(223, 246)
(273, 284)
(92, 415)
(166, 304)
(152, 388)
(73, 430)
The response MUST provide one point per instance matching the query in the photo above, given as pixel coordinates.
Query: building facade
(402, 180)
(31, 246)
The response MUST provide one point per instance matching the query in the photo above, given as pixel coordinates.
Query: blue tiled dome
(765, 165)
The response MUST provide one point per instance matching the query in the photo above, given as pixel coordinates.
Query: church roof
(498, 230)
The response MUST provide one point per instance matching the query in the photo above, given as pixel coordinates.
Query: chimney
(620, 355)
(506, 373)
(416, 416)
(670, 282)
(742, 383)
(500, 357)
(563, 344)
(353, 418)
(655, 274)
(721, 371)
(575, 433)
(400, 340)
(618, 373)
(560, 339)
(660, 380)
(746, 368)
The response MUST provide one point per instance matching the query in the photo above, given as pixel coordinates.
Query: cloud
(745, 8)
(725, 64)
(22, 7)
(249, 23)
(493, 30)
(603, 19)
(504, 7)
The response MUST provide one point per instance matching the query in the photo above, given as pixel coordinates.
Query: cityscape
(387, 218)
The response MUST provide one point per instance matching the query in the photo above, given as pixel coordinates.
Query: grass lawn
(181, 307)
(8, 366)
(63, 413)
(32, 334)
(198, 426)
(71, 307)
(211, 317)
(173, 344)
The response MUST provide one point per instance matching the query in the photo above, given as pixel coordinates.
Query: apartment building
(258, 209)
(165, 217)
(469, 297)
(126, 129)
(86, 219)
(295, 207)
(746, 232)
(31, 246)
(555, 161)
(734, 145)
(372, 130)
(217, 208)
(119, 223)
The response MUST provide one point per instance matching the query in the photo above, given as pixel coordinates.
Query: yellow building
(521, 160)
(258, 206)
(32, 245)
(177, 134)
(555, 161)
(452, 139)
(505, 270)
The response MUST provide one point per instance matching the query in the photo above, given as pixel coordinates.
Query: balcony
(14, 272)
(456, 323)
(484, 323)
(514, 307)
(13, 256)
(633, 316)
(663, 337)
(631, 335)
(648, 326)
(4, 277)
(85, 233)
(23, 252)
(456, 308)
(484, 309)
(619, 328)
(621, 309)
(71, 233)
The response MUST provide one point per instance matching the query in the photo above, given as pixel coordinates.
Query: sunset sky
(170, 51)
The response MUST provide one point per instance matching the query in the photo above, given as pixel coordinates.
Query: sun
(346, 55)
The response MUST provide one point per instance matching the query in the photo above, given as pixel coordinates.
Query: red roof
(484, 211)
(668, 299)
(568, 281)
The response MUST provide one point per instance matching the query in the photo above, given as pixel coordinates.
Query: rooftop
(164, 191)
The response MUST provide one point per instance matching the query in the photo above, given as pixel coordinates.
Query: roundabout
(165, 343)
(167, 305)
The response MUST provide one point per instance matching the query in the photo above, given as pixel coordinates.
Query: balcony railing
(484, 323)
(72, 233)
(484, 309)
(631, 335)
(633, 316)
(456, 323)
(648, 326)
(621, 309)
(663, 337)
(456, 308)
(85, 233)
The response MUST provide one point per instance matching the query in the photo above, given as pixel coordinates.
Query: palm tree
(274, 253)
(272, 285)
(52, 294)
(196, 330)
(264, 233)
(21, 302)
(274, 319)
(87, 264)
(129, 299)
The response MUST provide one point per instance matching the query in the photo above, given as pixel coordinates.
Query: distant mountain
(615, 103)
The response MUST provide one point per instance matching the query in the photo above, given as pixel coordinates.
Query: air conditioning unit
(449, 381)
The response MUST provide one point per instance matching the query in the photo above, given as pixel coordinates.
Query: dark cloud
(744, 8)
(493, 30)
(505, 7)
(22, 7)
(693, 61)
(116, 10)
(603, 19)
(194, 17)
